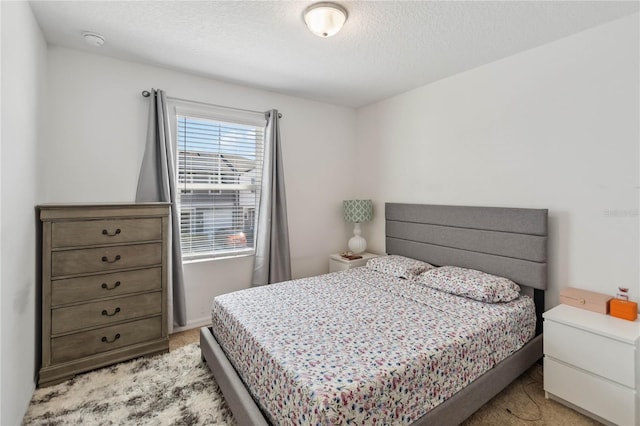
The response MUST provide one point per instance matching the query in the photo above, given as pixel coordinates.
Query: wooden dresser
(104, 285)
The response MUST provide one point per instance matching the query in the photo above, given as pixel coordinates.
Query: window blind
(219, 176)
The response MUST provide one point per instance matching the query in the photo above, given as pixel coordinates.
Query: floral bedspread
(362, 347)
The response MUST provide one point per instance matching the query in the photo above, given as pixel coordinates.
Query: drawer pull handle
(116, 337)
(115, 259)
(105, 232)
(107, 314)
(106, 287)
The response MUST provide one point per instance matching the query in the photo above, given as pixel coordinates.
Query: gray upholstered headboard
(509, 242)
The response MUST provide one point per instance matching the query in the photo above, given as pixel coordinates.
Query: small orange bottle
(621, 307)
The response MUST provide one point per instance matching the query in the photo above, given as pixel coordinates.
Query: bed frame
(508, 242)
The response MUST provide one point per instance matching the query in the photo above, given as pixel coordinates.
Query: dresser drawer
(79, 345)
(599, 396)
(71, 290)
(600, 355)
(105, 312)
(81, 261)
(96, 232)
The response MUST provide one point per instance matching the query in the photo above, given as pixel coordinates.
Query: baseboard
(196, 323)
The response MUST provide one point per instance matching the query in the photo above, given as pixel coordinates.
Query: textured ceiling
(385, 48)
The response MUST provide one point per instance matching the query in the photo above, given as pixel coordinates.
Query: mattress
(359, 346)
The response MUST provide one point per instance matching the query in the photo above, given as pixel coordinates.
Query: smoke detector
(93, 39)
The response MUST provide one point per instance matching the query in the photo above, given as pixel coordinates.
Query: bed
(506, 242)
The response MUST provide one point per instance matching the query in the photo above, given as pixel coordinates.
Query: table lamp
(357, 211)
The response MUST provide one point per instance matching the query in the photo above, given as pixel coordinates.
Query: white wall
(23, 68)
(94, 142)
(554, 127)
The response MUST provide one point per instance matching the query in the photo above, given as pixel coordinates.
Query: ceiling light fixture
(325, 19)
(93, 39)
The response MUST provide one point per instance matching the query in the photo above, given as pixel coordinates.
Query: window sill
(215, 259)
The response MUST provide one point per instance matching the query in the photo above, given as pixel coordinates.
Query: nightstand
(339, 263)
(591, 363)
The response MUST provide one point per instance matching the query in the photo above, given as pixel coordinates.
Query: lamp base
(357, 244)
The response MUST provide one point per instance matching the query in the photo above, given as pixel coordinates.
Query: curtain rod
(146, 94)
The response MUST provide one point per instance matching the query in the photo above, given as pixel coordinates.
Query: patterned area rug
(171, 389)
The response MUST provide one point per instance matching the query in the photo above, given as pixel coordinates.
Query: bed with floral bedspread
(362, 346)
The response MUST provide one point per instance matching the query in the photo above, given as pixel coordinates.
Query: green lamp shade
(357, 211)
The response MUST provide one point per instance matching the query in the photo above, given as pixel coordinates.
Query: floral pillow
(470, 283)
(399, 266)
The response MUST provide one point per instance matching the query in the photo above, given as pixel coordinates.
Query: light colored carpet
(178, 389)
(523, 403)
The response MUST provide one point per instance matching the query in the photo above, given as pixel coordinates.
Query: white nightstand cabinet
(591, 361)
(339, 263)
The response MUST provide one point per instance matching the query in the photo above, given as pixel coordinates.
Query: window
(219, 167)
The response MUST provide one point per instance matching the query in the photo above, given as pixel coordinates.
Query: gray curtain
(273, 260)
(157, 183)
